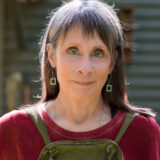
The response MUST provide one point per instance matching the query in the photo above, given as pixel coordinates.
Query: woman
(83, 88)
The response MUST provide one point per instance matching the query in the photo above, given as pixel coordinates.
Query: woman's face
(79, 59)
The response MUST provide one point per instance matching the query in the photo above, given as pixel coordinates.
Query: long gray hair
(90, 15)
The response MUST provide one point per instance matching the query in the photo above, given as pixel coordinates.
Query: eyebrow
(96, 46)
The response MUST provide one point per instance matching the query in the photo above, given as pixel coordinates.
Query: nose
(85, 67)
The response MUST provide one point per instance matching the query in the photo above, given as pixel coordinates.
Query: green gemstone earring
(52, 79)
(109, 86)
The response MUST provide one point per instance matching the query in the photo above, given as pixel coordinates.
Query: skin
(79, 108)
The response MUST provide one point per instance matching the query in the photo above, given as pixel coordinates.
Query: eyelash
(99, 50)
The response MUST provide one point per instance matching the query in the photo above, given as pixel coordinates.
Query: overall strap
(39, 123)
(129, 117)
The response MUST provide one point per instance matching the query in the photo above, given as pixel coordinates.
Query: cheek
(102, 69)
(66, 65)
(64, 68)
(102, 73)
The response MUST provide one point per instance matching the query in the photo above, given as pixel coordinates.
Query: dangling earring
(109, 86)
(51, 79)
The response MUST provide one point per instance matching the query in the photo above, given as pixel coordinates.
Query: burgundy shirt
(20, 140)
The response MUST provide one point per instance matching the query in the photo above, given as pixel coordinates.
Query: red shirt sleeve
(7, 137)
(153, 140)
(19, 138)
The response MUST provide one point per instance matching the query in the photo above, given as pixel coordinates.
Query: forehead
(76, 35)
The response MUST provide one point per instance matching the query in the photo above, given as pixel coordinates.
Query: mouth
(84, 84)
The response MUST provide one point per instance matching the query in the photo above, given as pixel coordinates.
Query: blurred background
(21, 27)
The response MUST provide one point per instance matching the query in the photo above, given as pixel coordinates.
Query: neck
(78, 111)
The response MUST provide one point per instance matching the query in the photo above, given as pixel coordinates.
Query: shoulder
(12, 116)
(146, 122)
(143, 130)
(146, 126)
(11, 125)
(14, 120)
(16, 130)
(18, 118)
(147, 132)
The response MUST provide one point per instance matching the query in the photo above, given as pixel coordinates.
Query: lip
(84, 84)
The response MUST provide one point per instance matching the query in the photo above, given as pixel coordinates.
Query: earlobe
(49, 50)
(51, 55)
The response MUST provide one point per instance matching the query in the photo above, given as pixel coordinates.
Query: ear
(51, 54)
(113, 62)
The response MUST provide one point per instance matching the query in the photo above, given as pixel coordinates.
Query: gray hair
(90, 15)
